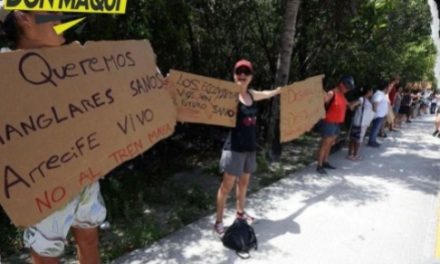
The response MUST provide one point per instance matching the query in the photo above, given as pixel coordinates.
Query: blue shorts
(328, 129)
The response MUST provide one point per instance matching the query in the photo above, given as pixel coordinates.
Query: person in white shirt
(380, 107)
(362, 118)
(424, 101)
(434, 98)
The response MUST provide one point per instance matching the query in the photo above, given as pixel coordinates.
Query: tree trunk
(282, 74)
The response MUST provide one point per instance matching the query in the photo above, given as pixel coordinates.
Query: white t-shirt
(367, 116)
(381, 99)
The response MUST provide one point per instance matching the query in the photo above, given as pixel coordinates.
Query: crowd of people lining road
(377, 111)
(383, 109)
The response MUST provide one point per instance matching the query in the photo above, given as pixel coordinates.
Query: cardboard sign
(71, 114)
(204, 100)
(302, 105)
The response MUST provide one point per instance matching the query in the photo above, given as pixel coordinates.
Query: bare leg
(241, 190)
(355, 148)
(87, 240)
(324, 150)
(329, 147)
(437, 123)
(351, 148)
(398, 120)
(37, 259)
(222, 194)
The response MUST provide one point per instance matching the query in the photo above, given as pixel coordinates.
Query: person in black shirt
(405, 107)
(238, 159)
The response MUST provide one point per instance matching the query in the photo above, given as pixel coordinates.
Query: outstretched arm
(353, 105)
(263, 95)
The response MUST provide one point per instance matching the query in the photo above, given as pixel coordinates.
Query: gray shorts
(237, 163)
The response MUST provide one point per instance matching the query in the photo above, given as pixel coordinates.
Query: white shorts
(48, 237)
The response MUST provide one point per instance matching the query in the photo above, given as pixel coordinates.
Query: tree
(283, 70)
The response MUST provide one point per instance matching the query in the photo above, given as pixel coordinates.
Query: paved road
(382, 210)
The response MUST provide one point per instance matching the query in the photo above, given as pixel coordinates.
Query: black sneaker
(321, 170)
(327, 165)
(435, 133)
(374, 144)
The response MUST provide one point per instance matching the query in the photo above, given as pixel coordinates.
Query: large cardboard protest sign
(302, 105)
(71, 114)
(200, 99)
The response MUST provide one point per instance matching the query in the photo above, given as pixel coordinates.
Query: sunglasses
(243, 70)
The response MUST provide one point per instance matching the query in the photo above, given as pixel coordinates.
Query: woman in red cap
(238, 159)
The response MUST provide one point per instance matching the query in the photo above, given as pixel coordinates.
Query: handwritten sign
(302, 105)
(71, 114)
(204, 100)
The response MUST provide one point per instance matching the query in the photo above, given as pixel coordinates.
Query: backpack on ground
(240, 237)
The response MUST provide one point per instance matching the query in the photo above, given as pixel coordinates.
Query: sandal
(357, 158)
(219, 228)
(243, 215)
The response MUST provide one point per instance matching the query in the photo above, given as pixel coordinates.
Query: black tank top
(406, 100)
(243, 137)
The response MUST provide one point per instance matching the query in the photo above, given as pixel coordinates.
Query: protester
(380, 107)
(405, 107)
(362, 118)
(336, 106)
(396, 106)
(434, 98)
(415, 106)
(392, 94)
(86, 211)
(424, 101)
(238, 159)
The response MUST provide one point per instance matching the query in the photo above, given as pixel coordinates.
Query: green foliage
(277, 173)
(128, 236)
(11, 237)
(369, 39)
(262, 162)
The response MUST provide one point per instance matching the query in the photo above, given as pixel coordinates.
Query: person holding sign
(336, 106)
(238, 158)
(86, 211)
(362, 118)
(380, 106)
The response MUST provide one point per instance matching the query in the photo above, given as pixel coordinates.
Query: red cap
(244, 63)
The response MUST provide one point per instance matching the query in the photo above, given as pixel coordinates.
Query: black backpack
(240, 237)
